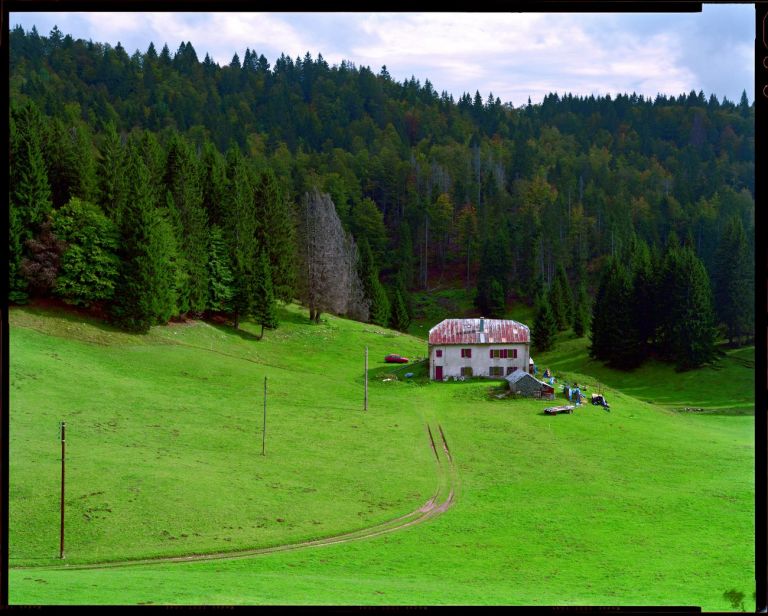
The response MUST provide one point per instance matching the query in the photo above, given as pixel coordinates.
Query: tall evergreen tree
(213, 178)
(264, 306)
(379, 305)
(400, 319)
(556, 299)
(112, 186)
(643, 303)
(734, 282)
(275, 233)
(581, 311)
(89, 263)
(614, 335)
(497, 304)
(182, 181)
(144, 255)
(220, 279)
(687, 332)
(567, 297)
(240, 232)
(30, 194)
(544, 325)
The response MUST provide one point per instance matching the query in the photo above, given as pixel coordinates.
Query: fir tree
(497, 304)
(240, 233)
(600, 340)
(566, 298)
(145, 255)
(112, 188)
(544, 326)
(733, 282)
(687, 332)
(220, 279)
(643, 303)
(264, 305)
(275, 233)
(379, 305)
(400, 318)
(581, 311)
(89, 263)
(30, 194)
(614, 334)
(182, 181)
(556, 301)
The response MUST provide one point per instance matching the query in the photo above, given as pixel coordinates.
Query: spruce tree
(213, 179)
(614, 334)
(497, 304)
(264, 305)
(379, 305)
(220, 279)
(566, 297)
(89, 263)
(544, 325)
(400, 318)
(600, 338)
(556, 298)
(643, 303)
(624, 339)
(275, 233)
(581, 311)
(733, 282)
(144, 254)
(182, 181)
(112, 187)
(688, 333)
(30, 194)
(240, 234)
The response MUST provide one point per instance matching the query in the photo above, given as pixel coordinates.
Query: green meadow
(644, 505)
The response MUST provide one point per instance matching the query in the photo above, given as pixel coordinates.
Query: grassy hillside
(641, 505)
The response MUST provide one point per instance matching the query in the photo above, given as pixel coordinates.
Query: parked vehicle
(396, 359)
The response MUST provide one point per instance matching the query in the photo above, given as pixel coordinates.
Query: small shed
(527, 385)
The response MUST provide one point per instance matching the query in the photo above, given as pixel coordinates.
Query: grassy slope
(162, 427)
(637, 506)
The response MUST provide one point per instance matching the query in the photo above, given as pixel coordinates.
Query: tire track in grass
(442, 499)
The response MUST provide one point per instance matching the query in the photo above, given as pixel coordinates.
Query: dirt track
(440, 502)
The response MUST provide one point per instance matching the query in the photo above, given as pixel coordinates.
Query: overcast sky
(512, 55)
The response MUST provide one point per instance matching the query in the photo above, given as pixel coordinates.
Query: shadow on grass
(733, 412)
(71, 314)
(229, 330)
(418, 369)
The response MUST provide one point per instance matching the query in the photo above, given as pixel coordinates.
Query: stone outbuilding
(526, 384)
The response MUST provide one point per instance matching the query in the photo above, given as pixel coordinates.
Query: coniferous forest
(153, 186)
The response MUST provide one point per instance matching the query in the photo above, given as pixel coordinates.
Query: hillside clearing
(635, 502)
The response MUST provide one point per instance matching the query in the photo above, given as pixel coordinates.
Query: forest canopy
(201, 174)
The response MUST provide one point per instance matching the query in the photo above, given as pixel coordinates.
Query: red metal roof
(478, 331)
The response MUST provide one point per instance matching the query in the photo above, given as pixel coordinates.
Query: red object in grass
(396, 359)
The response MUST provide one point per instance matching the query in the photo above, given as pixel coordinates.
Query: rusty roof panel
(479, 331)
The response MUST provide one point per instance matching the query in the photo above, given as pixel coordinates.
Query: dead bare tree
(330, 282)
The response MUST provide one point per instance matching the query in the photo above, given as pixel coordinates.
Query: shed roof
(517, 375)
(479, 331)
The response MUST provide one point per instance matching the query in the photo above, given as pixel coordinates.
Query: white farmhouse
(478, 347)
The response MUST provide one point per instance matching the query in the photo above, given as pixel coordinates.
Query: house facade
(491, 348)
